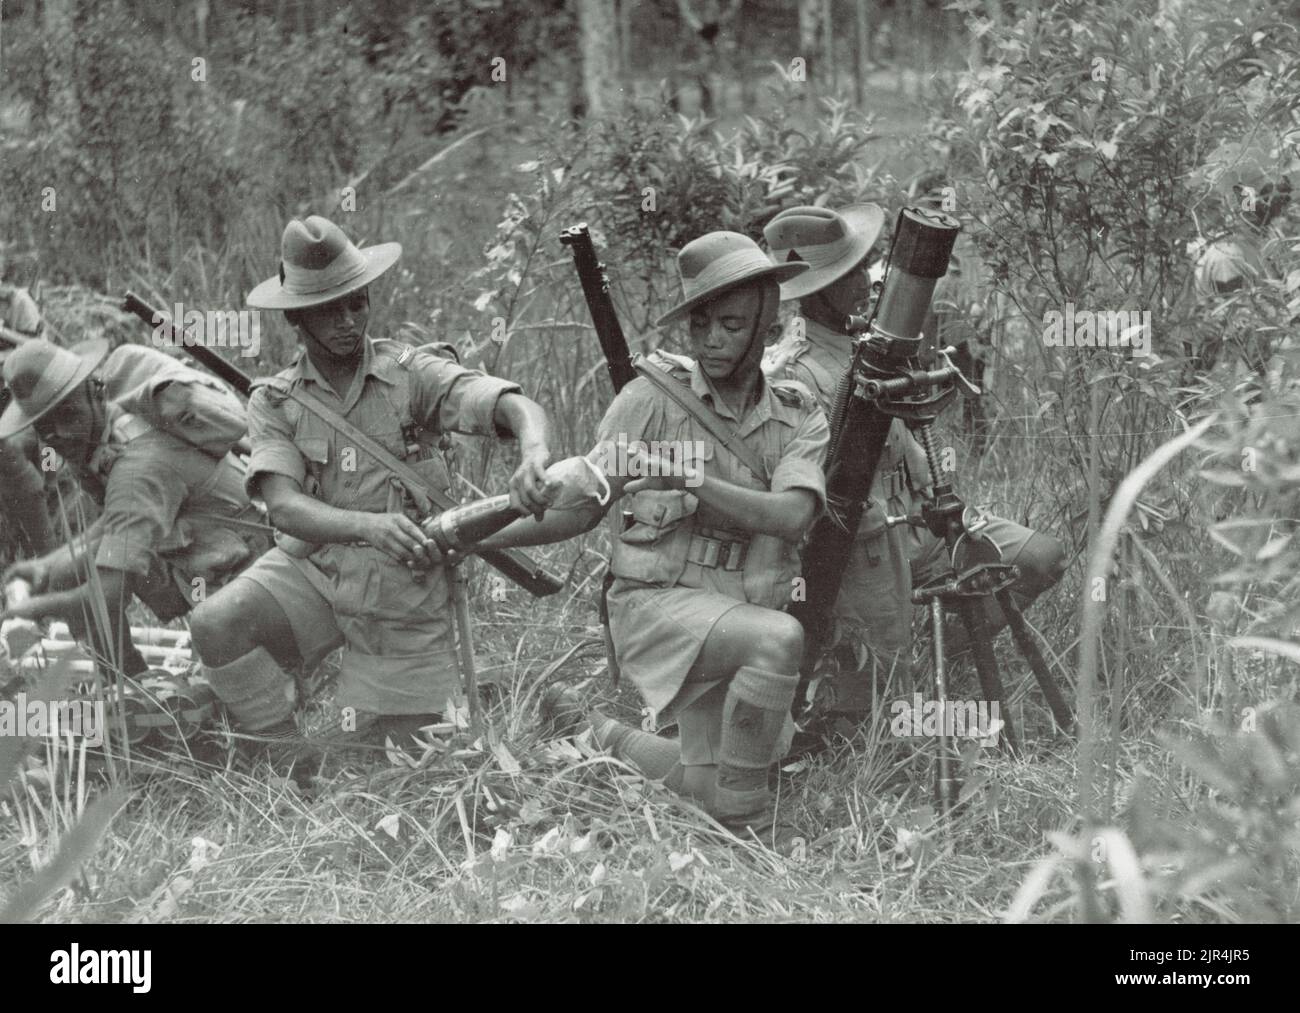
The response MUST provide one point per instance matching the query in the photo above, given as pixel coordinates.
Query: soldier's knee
(780, 647)
(224, 621)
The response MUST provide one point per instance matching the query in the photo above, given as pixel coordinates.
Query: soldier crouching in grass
(885, 563)
(357, 572)
(149, 438)
(712, 554)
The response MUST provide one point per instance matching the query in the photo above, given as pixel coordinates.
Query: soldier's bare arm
(60, 568)
(528, 422)
(295, 513)
(787, 514)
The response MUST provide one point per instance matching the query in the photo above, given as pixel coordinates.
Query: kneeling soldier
(357, 571)
(149, 438)
(711, 555)
(875, 599)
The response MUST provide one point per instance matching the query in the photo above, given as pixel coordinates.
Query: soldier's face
(72, 428)
(720, 332)
(849, 294)
(338, 327)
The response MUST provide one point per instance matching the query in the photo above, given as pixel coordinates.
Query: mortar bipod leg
(1030, 652)
(977, 630)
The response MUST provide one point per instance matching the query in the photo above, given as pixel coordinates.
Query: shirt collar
(381, 367)
(827, 340)
(766, 408)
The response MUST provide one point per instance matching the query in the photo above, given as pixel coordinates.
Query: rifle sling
(510, 562)
(421, 491)
(691, 403)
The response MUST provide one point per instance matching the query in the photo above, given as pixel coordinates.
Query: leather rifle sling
(425, 495)
(691, 403)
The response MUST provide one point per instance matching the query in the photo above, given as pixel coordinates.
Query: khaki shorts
(399, 652)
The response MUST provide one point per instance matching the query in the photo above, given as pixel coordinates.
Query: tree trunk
(57, 17)
(625, 36)
(810, 15)
(600, 70)
(828, 54)
(862, 50)
(201, 15)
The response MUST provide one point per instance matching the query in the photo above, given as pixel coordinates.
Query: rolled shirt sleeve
(271, 436)
(141, 502)
(634, 412)
(800, 466)
(450, 398)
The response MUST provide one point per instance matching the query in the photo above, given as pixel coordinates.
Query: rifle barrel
(595, 290)
(155, 318)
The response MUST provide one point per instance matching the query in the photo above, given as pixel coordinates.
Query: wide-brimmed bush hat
(40, 375)
(717, 262)
(319, 264)
(830, 242)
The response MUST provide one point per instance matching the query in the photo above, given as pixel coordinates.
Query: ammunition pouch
(654, 548)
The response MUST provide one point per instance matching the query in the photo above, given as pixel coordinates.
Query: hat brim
(92, 353)
(780, 273)
(270, 294)
(865, 222)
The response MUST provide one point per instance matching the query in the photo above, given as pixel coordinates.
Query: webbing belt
(717, 552)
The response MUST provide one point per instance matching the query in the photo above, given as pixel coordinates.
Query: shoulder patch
(792, 393)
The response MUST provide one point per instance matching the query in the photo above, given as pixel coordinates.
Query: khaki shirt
(818, 364)
(786, 429)
(664, 600)
(163, 498)
(394, 382)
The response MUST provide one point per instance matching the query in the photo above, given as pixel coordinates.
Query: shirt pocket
(652, 550)
(316, 452)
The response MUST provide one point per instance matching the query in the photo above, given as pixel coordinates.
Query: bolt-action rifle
(618, 361)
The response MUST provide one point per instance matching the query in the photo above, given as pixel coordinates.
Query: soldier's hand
(34, 571)
(400, 537)
(530, 491)
(655, 471)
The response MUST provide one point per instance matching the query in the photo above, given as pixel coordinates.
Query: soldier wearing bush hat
(174, 523)
(23, 505)
(356, 570)
(711, 555)
(874, 607)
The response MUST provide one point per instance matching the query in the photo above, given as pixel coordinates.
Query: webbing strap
(691, 403)
(421, 491)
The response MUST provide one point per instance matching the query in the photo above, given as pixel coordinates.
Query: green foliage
(1242, 849)
(1089, 151)
(647, 184)
(74, 828)
(704, 179)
